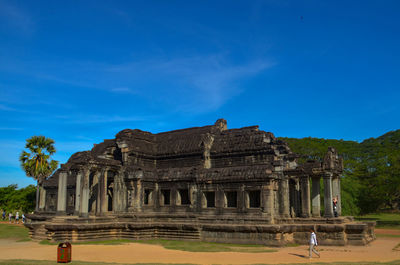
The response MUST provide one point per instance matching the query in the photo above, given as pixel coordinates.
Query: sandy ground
(379, 250)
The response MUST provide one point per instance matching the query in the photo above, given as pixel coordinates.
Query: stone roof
(239, 145)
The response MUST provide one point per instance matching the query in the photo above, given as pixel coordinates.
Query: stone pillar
(328, 196)
(62, 193)
(137, 204)
(298, 197)
(98, 187)
(336, 192)
(316, 197)
(305, 196)
(120, 198)
(284, 209)
(78, 190)
(292, 197)
(267, 196)
(193, 196)
(241, 199)
(156, 197)
(42, 198)
(103, 192)
(84, 204)
(219, 200)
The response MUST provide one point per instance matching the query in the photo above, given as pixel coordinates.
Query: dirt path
(387, 231)
(379, 250)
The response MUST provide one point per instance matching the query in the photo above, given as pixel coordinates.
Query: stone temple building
(206, 183)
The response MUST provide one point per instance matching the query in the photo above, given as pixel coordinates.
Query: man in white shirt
(313, 243)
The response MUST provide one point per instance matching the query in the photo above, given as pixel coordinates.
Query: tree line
(13, 199)
(371, 178)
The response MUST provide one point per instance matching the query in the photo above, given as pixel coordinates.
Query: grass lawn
(194, 246)
(381, 216)
(38, 262)
(10, 231)
(101, 242)
(383, 220)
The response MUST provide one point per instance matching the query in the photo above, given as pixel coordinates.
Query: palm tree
(37, 163)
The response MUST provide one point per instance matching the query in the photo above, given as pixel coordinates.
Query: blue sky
(81, 71)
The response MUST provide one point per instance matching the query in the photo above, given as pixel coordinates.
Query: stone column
(103, 192)
(120, 194)
(241, 199)
(98, 187)
(42, 198)
(219, 200)
(336, 192)
(316, 197)
(284, 197)
(84, 204)
(62, 193)
(138, 196)
(78, 190)
(292, 192)
(305, 196)
(156, 197)
(267, 195)
(193, 196)
(328, 196)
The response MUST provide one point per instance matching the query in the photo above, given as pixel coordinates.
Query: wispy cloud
(11, 109)
(10, 129)
(6, 108)
(206, 82)
(9, 152)
(124, 90)
(88, 119)
(16, 17)
(194, 84)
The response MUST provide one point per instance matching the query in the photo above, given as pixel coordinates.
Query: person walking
(4, 215)
(10, 217)
(17, 218)
(313, 243)
(23, 218)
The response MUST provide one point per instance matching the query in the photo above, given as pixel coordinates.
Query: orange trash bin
(64, 252)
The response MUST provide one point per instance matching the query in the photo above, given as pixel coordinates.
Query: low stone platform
(330, 231)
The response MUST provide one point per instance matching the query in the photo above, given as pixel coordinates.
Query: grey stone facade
(204, 183)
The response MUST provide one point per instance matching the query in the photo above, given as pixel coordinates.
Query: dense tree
(371, 178)
(37, 162)
(379, 172)
(13, 199)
